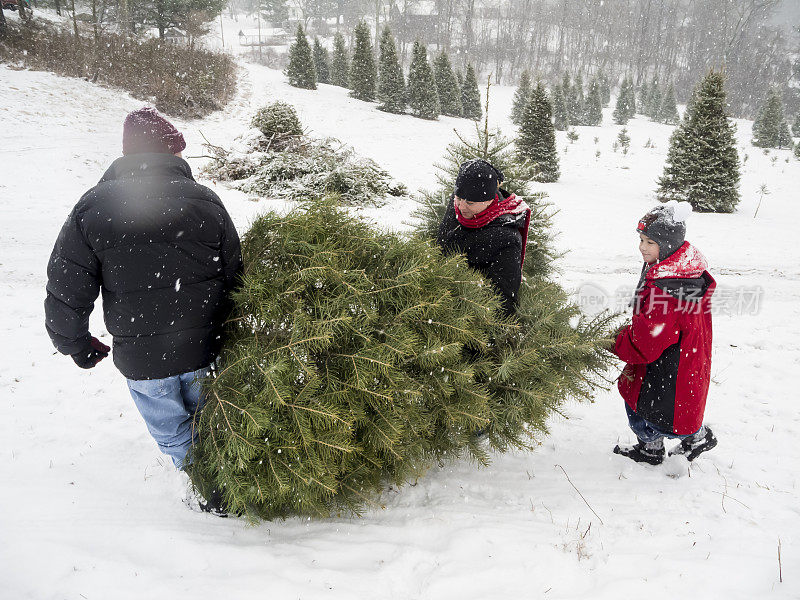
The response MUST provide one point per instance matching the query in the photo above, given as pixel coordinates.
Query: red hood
(687, 262)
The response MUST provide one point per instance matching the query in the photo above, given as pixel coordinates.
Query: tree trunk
(74, 19)
(58, 7)
(124, 17)
(3, 27)
(95, 26)
(23, 14)
(160, 18)
(468, 29)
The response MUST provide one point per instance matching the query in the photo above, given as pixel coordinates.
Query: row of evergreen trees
(571, 105)
(652, 102)
(429, 91)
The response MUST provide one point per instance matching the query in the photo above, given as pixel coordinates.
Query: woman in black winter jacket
(489, 226)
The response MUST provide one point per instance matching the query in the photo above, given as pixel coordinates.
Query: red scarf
(499, 207)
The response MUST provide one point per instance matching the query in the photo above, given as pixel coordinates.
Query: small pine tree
(632, 104)
(784, 136)
(624, 140)
(301, 71)
(623, 110)
(770, 128)
(702, 165)
(644, 94)
(654, 101)
(470, 96)
(796, 126)
(560, 112)
(321, 62)
(605, 88)
(580, 100)
(391, 83)
(447, 86)
(574, 108)
(363, 72)
(594, 104)
(423, 99)
(668, 111)
(536, 143)
(797, 151)
(521, 97)
(340, 65)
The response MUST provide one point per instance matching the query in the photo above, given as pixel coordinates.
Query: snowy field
(90, 509)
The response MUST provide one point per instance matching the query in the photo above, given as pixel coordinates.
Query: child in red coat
(667, 346)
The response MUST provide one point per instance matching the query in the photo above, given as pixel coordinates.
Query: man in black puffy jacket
(165, 254)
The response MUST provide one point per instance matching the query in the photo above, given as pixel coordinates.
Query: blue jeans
(649, 433)
(168, 407)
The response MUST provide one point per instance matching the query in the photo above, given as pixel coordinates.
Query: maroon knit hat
(147, 131)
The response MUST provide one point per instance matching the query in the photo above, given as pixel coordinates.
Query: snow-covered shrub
(278, 122)
(298, 166)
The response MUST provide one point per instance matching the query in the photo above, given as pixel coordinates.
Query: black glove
(94, 352)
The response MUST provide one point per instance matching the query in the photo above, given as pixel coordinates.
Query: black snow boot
(693, 446)
(646, 452)
(209, 499)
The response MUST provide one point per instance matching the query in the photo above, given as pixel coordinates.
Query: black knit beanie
(477, 181)
(666, 225)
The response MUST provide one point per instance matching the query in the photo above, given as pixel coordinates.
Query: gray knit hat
(666, 225)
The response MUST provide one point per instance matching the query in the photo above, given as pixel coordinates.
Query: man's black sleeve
(73, 283)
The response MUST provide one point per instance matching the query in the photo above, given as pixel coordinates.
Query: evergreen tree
(632, 104)
(594, 104)
(797, 151)
(521, 97)
(321, 62)
(391, 83)
(363, 72)
(560, 112)
(470, 96)
(572, 96)
(769, 128)
(654, 101)
(536, 143)
(796, 126)
(668, 111)
(605, 88)
(447, 86)
(784, 136)
(423, 99)
(340, 65)
(301, 71)
(580, 100)
(623, 111)
(644, 95)
(460, 80)
(355, 358)
(702, 163)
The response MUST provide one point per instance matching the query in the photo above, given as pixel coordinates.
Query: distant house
(176, 37)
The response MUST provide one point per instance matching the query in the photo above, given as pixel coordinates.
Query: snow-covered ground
(89, 509)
